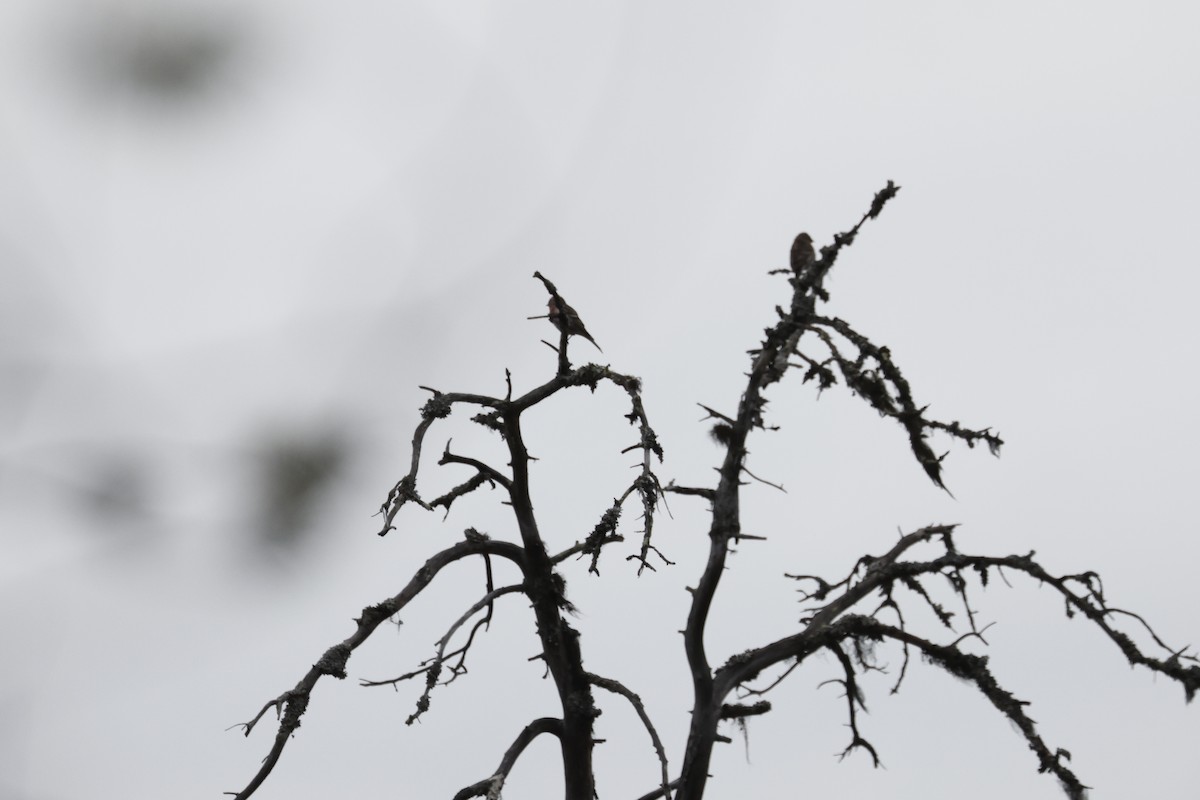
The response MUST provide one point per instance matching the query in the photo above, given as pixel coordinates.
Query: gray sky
(226, 231)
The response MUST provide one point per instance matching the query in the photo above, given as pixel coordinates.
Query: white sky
(355, 207)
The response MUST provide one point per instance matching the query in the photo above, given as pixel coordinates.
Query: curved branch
(963, 665)
(491, 786)
(635, 701)
(746, 691)
(832, 624)
(974, 668)
(1092, 605)
(885, 389)
(433, 668)
(405, 490)
(292, 704)
(881, 573)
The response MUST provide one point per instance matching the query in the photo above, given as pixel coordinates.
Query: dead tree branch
(490, 787)
(292, 704)
(635, 701)
(432, 669)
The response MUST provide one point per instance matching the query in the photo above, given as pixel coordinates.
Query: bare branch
(464, 488)
(1091, 604)
(636, 702)
(763, 481)
(810, 276)
(295, 702)
(746, 691)
(405, 490)
(585, 547)
(887, 391)
(490, 787)
(743, 710)
(826, 629)
(484, 474)
(603, 533)
(706, 493)
(974, 668)
(661, 792)
(854, 701)
(488, 472)
(888, 569)
(433, 668)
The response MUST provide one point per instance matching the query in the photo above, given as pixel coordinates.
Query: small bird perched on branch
(802, 253)
(565, 318)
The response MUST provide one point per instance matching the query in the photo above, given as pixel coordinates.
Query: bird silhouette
(802, 253)
(567, 320)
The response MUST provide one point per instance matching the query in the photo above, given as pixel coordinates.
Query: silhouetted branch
(887, 570)
(706, 493)
(484, 470)
(432, 669)
(886, 390)
(464, 488)
(974, 669)
(1090, 603)
(832, 623)
(854, 701)
(490, 787)
(603, 533)
(636, 702)
(584, 547)
(295, 702)
(661, 791)
(746, 691)
(437, 407)
(743, 710)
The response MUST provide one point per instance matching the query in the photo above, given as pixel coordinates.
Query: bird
(802, 253)
(567, 320)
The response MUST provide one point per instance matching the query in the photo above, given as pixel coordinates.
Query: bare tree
(846, 617)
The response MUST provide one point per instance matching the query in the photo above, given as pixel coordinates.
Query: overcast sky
(241, 235)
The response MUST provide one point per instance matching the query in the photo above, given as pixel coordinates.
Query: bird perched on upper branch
(565, 318)
(802, 253)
